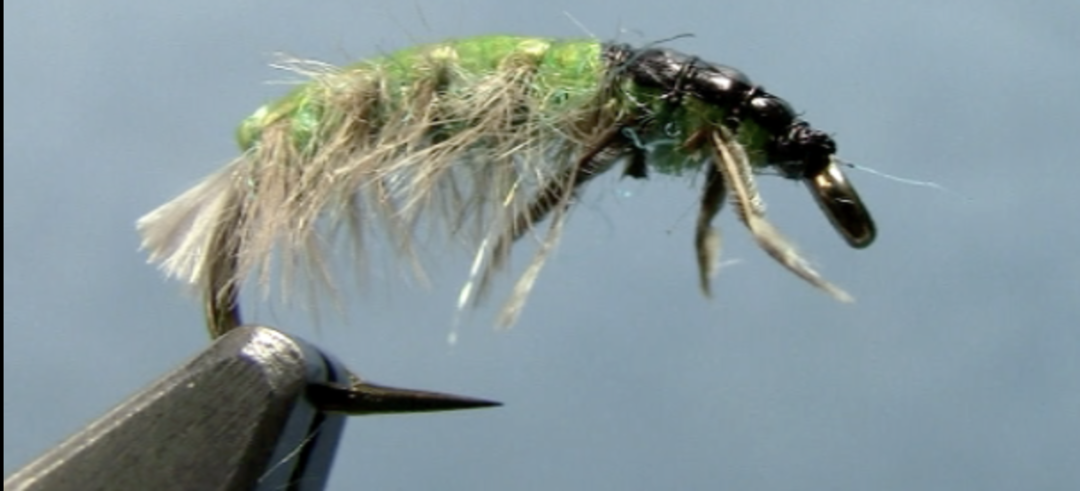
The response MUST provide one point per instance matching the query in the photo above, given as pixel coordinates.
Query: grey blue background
(958, 367)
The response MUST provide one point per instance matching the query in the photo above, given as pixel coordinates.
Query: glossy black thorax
(794, 148)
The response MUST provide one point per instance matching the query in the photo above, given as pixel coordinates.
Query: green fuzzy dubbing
(569, 85)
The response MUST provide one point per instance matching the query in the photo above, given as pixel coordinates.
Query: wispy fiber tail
(195, 238)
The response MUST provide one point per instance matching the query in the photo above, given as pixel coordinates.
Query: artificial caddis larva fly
(486, 137)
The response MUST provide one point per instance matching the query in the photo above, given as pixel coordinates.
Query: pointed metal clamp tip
(362, 398)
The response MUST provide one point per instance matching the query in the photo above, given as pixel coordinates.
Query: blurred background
(958, 367)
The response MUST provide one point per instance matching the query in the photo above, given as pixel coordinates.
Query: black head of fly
(802, 152)
(796, 149)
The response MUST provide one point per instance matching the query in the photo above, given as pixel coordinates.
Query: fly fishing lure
(486, 137)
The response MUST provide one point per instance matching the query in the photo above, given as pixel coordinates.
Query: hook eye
(839, 201)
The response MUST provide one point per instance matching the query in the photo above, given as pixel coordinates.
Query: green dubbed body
(559, 84)
(555, 76)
